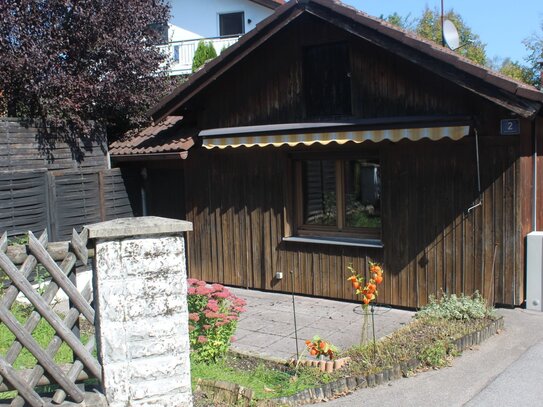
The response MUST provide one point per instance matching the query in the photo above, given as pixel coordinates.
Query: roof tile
(166, 136)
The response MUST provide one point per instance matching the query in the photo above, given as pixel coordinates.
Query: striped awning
(339, 137)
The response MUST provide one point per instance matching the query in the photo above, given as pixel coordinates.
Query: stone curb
(349, 384)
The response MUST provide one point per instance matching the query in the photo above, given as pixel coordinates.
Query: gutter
(178, 155)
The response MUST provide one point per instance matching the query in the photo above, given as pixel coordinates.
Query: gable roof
(511, 94)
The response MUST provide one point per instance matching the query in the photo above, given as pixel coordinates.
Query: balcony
(181, 53)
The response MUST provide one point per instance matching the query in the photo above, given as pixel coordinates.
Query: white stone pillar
(141, 311)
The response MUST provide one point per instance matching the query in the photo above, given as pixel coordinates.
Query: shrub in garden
(213, 315)
(455, 307)
(204, 52)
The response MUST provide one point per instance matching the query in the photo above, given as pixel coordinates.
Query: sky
(501, 24)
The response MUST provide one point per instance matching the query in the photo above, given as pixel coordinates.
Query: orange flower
(379, 279)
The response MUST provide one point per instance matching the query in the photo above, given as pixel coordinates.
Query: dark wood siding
(268, 87)
(236, 202)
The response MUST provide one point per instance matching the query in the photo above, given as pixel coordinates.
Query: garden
(437, 333)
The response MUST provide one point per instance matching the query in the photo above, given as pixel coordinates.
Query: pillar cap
(142, 226)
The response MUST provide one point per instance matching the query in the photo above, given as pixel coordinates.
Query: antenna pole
(442, 20)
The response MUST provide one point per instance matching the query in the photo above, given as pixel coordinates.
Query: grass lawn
(266, 379)
(43, 333)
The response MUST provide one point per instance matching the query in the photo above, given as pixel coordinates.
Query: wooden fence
(60, 200)
(46, 371)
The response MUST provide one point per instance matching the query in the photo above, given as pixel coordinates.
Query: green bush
(213, 315)
(457, 307)
(204, 52)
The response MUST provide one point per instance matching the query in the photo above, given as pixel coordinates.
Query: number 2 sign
(509, 126)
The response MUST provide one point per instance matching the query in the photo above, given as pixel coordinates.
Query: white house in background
(220, 22)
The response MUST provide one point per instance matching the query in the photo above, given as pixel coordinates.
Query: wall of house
(237, 200)
(202, 17)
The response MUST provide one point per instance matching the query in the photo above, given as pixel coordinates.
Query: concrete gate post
(141, 310)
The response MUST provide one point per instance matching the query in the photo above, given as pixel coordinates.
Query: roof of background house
(167, 136)
(517, 96)
(269, 3)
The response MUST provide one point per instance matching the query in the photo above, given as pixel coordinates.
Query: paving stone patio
(267, 328)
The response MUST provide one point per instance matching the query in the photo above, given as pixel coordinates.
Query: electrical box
(534, 271)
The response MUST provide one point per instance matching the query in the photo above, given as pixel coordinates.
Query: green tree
(534, 45)
(429, 26)
(403, 22)
(204, 52)
(517, 71)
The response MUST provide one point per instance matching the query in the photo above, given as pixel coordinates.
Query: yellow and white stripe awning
(340, 137)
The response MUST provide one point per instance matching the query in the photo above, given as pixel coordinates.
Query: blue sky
(501, 24)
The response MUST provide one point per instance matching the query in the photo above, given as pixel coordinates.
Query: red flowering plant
(319, 348)
(213, 315)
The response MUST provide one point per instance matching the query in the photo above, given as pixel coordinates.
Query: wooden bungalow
(326, 137)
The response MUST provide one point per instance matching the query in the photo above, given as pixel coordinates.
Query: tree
(516, 70)
(74, 62)
(429, 26)
(534, 45)
(204, 52)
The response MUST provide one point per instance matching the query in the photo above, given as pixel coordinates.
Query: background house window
(327, 80)
(338, 197)
(176, 54)
(231, 24)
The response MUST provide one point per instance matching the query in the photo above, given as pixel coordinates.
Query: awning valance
(340, 137)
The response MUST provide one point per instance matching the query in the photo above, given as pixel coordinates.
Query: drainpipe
(143, 191)
(534, 166)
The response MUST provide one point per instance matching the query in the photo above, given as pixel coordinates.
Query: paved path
(506, 370)
(268, 325)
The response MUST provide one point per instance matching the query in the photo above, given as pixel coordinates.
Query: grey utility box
(534, 271)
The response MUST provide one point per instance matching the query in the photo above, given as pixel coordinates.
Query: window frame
(219, 15)
(295, 221)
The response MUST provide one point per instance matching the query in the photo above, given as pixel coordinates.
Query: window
(327, 80)
(176, 54)
(231, 24)
(338, 197)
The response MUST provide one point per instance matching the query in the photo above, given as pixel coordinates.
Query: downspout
(534, 177)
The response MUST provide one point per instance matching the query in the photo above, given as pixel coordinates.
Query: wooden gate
(39, 253)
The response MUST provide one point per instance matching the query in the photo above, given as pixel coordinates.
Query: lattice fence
(65, 326)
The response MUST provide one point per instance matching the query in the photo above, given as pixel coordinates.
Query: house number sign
(509, 127)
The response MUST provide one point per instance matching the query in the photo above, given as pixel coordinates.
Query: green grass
(265, 380)
(42, 334)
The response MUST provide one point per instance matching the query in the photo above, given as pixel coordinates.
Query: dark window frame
(340, 229)
(221, 23)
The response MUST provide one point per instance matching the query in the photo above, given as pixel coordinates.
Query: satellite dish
(450, 35)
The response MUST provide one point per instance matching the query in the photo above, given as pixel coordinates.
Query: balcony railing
(181, 53)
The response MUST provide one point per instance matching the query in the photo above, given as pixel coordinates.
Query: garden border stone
(348, 384)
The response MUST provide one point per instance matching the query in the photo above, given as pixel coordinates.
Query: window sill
(337, 241)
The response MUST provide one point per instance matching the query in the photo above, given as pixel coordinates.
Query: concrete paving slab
(267, 327)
